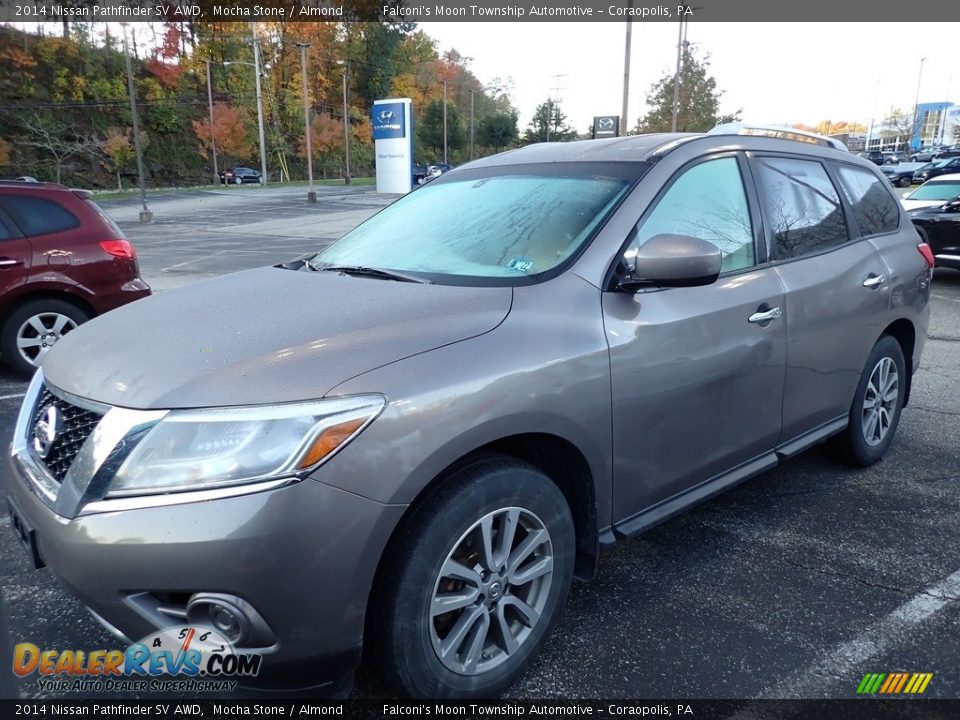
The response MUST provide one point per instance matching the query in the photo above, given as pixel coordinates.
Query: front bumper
(304, 556)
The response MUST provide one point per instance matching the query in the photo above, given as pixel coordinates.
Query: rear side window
(801, 206)
(38, 216)
(873, 207)
(5, 233)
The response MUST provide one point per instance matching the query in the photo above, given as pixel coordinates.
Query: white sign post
(393, 144)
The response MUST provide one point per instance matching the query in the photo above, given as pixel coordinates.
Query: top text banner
(422, 11)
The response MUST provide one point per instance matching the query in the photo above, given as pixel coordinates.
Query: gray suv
(412, 441)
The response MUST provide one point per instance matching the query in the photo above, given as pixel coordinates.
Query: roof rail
(782, 132)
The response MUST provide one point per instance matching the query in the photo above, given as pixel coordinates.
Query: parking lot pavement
(199, 234)
(794, 584)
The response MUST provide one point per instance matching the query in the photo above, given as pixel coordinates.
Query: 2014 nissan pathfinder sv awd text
(412, 441)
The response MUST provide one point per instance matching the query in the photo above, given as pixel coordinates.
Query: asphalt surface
(794, 584)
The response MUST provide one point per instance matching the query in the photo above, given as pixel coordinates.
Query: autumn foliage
(229, 132)
(4, 152)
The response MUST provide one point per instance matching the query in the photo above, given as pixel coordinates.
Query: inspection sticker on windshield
(521, 263)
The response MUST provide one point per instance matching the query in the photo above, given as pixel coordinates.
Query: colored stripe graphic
(894, 683)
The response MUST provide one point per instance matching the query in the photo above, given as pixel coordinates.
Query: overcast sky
(777, 72)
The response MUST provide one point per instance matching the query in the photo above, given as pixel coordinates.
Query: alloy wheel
(880, 401)
(491, 591)
(40, 333)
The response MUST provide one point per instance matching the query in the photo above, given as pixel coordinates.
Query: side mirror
(951, 207)
(672, 261)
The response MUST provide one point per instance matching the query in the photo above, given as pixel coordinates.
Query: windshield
(936, 190)
(515, 224)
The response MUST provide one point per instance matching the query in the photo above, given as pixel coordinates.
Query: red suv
(62, 262)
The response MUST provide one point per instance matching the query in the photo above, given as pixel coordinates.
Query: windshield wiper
(373, 272)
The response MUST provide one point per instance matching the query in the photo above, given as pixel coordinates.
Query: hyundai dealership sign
(393, 144)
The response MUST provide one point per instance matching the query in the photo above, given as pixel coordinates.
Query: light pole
(311, 193)
(346, 123)
(676, 82)
(626, 74)
(916, 111)
(146, 215)
(471, 124)
(444, 122)
(213, 137)
(263, 145)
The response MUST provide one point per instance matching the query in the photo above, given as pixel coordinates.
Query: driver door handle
(765, 316)
(874, 281)
(8, 262)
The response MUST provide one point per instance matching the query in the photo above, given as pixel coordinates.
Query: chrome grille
(78, 423)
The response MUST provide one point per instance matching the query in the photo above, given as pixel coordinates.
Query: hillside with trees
(65, 115)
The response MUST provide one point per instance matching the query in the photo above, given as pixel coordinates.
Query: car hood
(263, 336)
(917, 204)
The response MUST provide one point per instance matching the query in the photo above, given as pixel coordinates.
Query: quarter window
(801, 206)
(708, 202)
(873, 207)
(38, 216)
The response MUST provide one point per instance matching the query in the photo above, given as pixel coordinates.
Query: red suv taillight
(927, 253)
(119, 248)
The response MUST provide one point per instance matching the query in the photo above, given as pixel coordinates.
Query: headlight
(200, 449)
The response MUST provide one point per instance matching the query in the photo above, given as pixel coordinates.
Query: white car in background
(933, 192)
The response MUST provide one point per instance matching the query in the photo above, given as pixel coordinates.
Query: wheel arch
(905, 333)
(47, 294)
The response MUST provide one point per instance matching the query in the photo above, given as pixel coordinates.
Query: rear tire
(33, 328)
(875, 412)
(438, 560)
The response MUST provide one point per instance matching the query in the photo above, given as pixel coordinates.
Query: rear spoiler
(82, 194)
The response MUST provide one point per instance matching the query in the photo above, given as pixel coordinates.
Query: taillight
(927, 253)
(119, 248)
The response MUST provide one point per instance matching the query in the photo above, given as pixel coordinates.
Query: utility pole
(873, 114)
(213, 137)
(946, 110)
(626, 74)
(471, 124)
(553, 99)
(146, 215)
(676, 81)
(346, 123)
(444, 122)
(263, 143)
(311, 193)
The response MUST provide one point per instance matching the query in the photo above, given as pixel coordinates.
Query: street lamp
(263, 145)
(146, 215)
(311, 193)
(213, 138)
(916, 111)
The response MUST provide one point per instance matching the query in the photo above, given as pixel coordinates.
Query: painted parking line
(12, 397)
(846, 659)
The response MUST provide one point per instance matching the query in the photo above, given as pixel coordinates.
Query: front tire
(875, 412)
(475, 582)
(34, 328)
(904, 182)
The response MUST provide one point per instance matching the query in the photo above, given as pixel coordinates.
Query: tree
(549, 124)
(898, 124)
(229, 132)
(119, 152)
(56, 139)
(497, 132)
(326, 138)
(4, 152)
(698, 101)
(830, 127)
(430, 129)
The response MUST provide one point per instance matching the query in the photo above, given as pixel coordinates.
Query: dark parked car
(407, 445)
(62, 261)
(876, 157)
(940, 167)
(940, 228)
(900, 175)
(947, 152)
(239, 175)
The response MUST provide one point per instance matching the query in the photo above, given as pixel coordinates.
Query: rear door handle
(874, 281)
(765, 316)
(9, 262)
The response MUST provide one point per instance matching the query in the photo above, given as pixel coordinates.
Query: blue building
(935, 125)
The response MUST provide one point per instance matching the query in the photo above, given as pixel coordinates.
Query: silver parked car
(416, 438)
